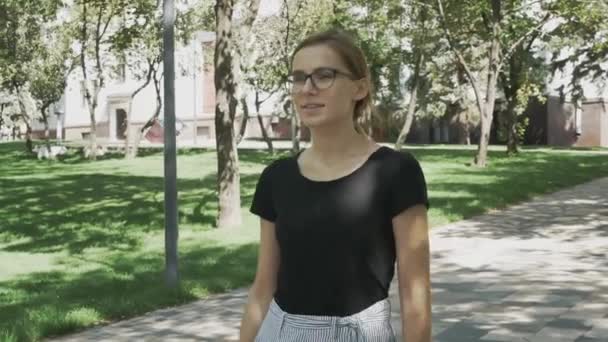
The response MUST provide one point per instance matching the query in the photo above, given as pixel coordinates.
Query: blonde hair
(354, 59)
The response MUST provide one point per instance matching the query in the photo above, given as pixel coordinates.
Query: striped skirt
(370, 325)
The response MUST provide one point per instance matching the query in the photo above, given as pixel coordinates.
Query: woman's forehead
(316, 56)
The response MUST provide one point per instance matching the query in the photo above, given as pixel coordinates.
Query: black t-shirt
(337, 249)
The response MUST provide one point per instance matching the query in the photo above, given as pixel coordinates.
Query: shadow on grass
(124, 285)
(56, 211)
(507, 181)
(75, 212)
(50, 210)
(262, 157)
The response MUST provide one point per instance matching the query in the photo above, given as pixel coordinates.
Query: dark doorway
(121, 124)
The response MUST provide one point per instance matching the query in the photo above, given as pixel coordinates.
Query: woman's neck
(333, 143)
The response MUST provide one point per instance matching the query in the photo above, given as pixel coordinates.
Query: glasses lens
(297, 80)
(323, 78)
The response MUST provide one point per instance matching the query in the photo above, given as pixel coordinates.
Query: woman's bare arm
(264, 285)
(413, 268)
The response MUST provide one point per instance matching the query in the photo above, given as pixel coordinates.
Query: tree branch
(107, 23)
(148, 78)
(517, 9)
(522, 38)
(422, 4)
(254, 6)
(459, 56)
(97, 46)
(287, 29)
(83, 42)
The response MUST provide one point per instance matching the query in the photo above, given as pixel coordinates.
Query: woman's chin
(311, 120)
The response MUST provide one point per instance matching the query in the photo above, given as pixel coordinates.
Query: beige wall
(75, 133)
(591, 125)
(561, 123)
(604, 124)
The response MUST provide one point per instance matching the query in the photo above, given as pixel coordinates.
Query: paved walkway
(536, 272)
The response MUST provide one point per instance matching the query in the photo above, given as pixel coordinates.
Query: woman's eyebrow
(315, 69)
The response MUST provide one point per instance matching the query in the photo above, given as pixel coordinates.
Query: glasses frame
(335, 72)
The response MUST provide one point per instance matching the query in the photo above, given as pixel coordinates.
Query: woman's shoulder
(278, 165)
(396, 158)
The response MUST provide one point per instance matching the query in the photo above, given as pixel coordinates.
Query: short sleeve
(262, 203)
(407, 184)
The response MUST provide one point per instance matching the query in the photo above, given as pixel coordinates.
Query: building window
(202, 131)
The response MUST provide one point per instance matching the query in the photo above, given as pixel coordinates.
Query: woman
(336, 217)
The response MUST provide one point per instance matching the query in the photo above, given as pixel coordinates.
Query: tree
(138, 41)
(267, 72)
(421, 48)
(20, 44)
(49, 71)
(270, 53)
(243, 60)
(581, 42)
(138, 44)
(378, 27)
(8, 112)
(97, 20)
(523, 77)
(228, 181)
(398, 38)
(466, 23)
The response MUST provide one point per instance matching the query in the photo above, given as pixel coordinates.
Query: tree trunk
(28, 138)
(511, 88)
(411, 109)
(26, 118)
(261, 122)
(2, 105)
(511, 127)
(295, 136)
(92, 102)
(265, 134)
(465, 125)
(93, 133)
(131, 152)
(29, 146)
(45, 121)
(129, 134)
(241, 61)
(150, 122)
(228, 178)
(485, 106)
(487, 109)
(244, 120)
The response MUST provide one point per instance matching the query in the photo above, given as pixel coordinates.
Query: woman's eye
(298, 77)
(325, 75)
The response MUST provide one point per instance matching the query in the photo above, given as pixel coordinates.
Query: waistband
(377, 312)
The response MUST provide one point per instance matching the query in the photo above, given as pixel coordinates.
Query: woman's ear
(362, 89)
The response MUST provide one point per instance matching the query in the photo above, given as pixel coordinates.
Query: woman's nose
(308, 85)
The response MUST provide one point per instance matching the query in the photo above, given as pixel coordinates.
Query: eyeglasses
(321, 78)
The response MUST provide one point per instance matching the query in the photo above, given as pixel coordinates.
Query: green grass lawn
(81, 243)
